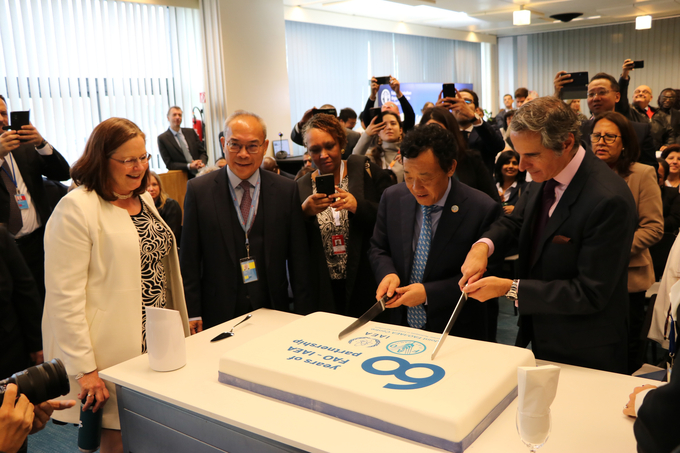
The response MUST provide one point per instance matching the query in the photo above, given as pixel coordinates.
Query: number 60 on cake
(382, 377)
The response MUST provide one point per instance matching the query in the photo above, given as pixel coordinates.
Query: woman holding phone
(340, 224)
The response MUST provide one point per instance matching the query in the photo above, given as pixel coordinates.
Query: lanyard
(246, 224)
(336, 214)
(11, 175)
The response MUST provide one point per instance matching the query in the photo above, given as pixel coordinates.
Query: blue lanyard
(11, 175)
(246, 225)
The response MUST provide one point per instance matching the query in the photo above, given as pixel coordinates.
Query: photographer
(19, 418)
(409, 114)
(25, 157)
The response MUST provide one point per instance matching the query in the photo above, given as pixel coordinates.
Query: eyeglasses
(252, 148)
(600, 93)
(608, 138)
(131, 162)
(642, 92)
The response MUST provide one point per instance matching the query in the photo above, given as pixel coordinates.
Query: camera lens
(41, 382)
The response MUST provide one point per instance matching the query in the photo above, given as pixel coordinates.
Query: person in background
(25, 157)
(409, 114)
(575, 105)
(303, 171)
(339, 226)
(479, 134)
(470, 168)
(670, 197)
(510, 181)
(180, 147)
(427, 105)
(108, 255)
(614, 143)
(221, 162)
(306, 159)
(348, 119)
(168, 208)
(666, 102)
(672, 155)
(381, 141)
(500, 117)
(505, 131)
(604, 94)
(521, 94)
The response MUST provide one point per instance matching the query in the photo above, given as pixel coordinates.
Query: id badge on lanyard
(247, 264)
(19, 197)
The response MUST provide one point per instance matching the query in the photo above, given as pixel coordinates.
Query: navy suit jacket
(573, 295)
(392, 252)
(208, 257)
(33, 166)
(488, 141)
(172, 153)
(20, 309)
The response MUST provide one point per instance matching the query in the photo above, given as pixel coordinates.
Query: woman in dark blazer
(510, 182)
(470, 169)
(339, 228)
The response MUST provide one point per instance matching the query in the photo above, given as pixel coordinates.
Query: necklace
(123, 197)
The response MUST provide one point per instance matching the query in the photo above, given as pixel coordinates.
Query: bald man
(662, 132)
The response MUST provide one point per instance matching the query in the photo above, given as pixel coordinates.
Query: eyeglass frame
(604, 137)
(599, 93)
(131, 162)
(229, 143)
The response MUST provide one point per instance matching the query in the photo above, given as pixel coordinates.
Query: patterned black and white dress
(155, 240)
(337, 264)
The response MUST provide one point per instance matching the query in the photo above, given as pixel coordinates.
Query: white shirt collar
(235, 181)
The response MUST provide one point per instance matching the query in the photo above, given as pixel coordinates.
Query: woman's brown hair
(162, 196)
(92, 169)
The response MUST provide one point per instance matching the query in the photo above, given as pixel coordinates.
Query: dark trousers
(32, 249)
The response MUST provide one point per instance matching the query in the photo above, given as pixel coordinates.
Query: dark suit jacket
(488, 141)
(644, 138)
(656, 426)
(472, 171)
(392, 252)
(20, 309)
(33, 166)
(360, 283)
(210, 264)
(172, 153)
(573, 297)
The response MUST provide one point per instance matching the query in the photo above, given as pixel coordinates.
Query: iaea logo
(406, 347)
(385, 96)
(365, 342)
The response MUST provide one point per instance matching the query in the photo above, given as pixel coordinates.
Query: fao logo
(365, 342)
(385, 96)
(406, 347)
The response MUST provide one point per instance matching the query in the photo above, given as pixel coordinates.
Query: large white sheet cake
(382, 377)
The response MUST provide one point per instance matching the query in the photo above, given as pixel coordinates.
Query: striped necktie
(416, 316)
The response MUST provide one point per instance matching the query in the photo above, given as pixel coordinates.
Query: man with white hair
(243, 232)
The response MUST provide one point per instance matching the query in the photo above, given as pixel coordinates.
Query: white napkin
(537, 387)
(165, 339)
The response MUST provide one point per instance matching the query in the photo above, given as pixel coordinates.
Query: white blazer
(93, 303)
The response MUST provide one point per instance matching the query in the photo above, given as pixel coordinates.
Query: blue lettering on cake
(400, 373)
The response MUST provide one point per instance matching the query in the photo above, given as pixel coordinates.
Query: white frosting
(305, 358)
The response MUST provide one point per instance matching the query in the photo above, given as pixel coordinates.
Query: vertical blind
(75, 63)
(332, 65)
(599, 49)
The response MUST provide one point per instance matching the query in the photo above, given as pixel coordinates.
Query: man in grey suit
(180, 147)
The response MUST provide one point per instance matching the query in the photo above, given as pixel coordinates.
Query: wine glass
(533, 429)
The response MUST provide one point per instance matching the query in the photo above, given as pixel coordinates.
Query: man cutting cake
(423, 231)
(575, 228)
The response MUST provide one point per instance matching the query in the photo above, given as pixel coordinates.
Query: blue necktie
(416, 316)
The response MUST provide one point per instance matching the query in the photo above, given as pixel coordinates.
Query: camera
(39, 383)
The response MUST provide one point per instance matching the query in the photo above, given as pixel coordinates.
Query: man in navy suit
(243, 230)
(575, 227)
(432, 209)
(25, 157)
(180, 147)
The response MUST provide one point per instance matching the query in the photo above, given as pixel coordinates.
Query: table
(189, 410)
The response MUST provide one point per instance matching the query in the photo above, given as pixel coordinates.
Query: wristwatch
(42, 144)
(512, 294)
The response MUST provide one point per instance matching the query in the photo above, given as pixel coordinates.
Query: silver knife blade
(449, 325)
(372, 312)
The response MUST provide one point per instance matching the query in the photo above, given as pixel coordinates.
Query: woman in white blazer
(108, 253)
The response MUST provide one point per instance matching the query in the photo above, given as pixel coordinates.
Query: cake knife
(372, 312)
(449, 325)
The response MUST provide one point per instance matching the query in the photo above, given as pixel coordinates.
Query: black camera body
(39, 383)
